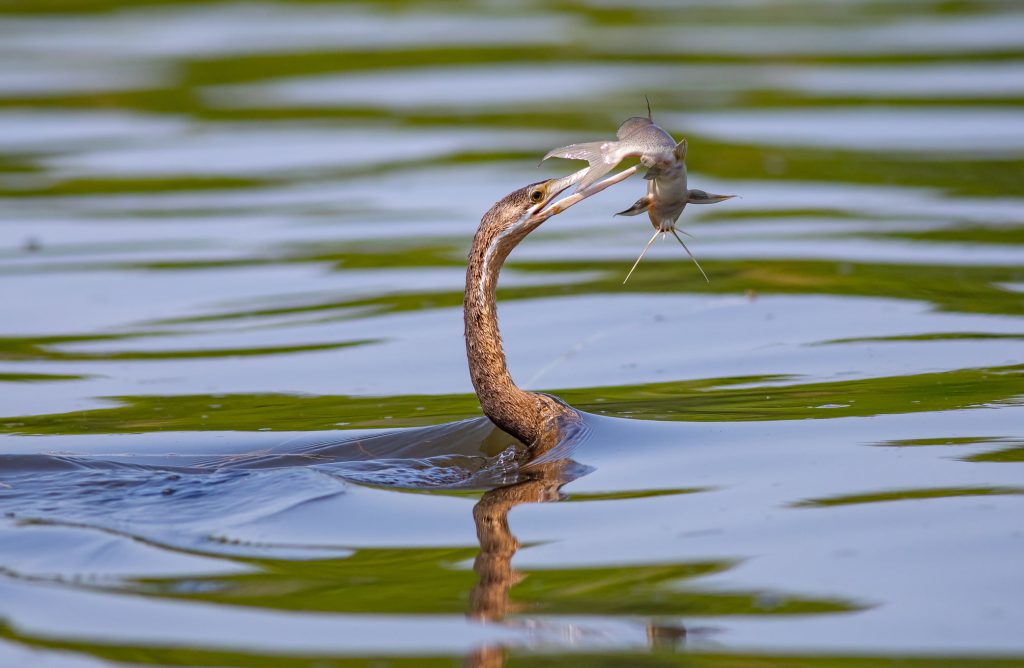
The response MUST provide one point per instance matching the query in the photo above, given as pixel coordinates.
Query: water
(237, 427)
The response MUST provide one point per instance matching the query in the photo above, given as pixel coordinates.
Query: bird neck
(528, 416)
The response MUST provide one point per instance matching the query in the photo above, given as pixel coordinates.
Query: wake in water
(186, 497)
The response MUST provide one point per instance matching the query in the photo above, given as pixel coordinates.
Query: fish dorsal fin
(631, 125)
(680, 150)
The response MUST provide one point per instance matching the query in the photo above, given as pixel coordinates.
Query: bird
(538, 420)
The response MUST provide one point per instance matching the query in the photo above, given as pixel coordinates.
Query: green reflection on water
(36, 377)
(632, 494)
(689, 401)
(430, 581)
(1007, 449)
(155, 654)
(41, 348)
(965, 289)
(907, 495)
(1012, 454)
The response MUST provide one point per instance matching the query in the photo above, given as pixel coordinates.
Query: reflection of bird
(532, 418)
(489, 599)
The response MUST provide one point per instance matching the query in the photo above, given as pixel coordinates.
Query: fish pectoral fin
(680, 150)
(701, 197)
(640, 206)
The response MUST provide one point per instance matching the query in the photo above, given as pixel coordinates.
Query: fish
(668, 192)
(638, 137)
(667, 195)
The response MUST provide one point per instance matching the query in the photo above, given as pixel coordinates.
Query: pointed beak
(556, 187)
(546, 209)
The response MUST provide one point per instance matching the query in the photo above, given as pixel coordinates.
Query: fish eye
(537, 195)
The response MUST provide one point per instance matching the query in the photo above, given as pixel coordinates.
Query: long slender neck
(525, 415)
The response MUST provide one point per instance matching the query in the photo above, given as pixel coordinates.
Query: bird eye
(537, 195)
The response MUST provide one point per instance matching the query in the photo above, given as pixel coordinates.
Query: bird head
(539, 198)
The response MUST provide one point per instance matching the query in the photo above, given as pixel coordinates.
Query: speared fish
(665, 160)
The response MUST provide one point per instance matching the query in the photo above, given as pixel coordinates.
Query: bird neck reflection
(489, 599)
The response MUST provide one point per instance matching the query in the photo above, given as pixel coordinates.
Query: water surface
(236, 426)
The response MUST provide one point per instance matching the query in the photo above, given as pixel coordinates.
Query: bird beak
(554, 188)
(544, 210)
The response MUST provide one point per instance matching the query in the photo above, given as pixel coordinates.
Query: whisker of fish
(642, 253)
(673, 230)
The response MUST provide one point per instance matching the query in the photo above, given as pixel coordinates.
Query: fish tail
(596, 153)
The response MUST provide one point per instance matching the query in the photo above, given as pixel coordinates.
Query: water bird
(665, 160)
(537, 420)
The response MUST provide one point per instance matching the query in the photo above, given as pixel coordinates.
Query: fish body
(667, 192)
(637, 137)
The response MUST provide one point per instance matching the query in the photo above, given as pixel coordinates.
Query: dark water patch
(43, 348)
(27, 348)
(622, 495)
(262, 67)
(254, 412)
(907, 495)
(126, 186)
(207, 354)
(1011, 453)
(36, 377)
(942, 441)
(936, 336)
(972, 178)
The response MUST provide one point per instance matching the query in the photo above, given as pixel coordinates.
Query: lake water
(236, 426)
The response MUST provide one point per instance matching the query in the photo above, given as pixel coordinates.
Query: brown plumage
(530, 417)
(538, 420)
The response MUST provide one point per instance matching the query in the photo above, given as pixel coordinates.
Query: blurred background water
(232, 244)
